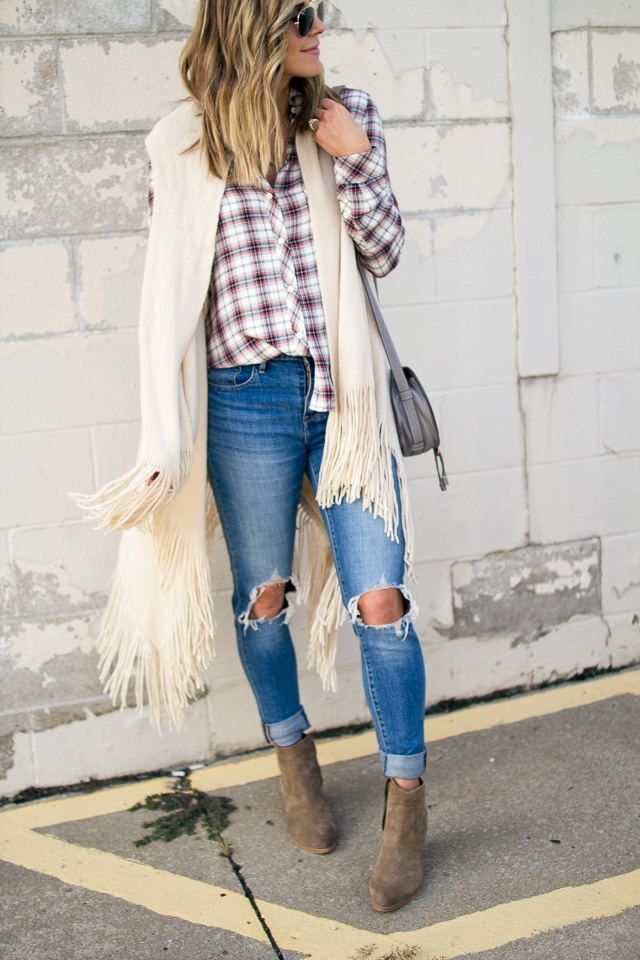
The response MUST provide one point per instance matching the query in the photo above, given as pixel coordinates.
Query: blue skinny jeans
(262, 437)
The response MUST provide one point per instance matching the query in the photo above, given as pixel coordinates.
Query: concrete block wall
(582, 427)
(528, 568)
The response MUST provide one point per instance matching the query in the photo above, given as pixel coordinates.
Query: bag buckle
(443, 479)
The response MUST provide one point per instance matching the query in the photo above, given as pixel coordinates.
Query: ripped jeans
(262, 437)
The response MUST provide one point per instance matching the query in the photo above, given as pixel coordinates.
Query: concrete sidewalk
(533, 852)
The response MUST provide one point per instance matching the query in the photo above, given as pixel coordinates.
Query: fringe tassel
(407, 522)
(130, 500)
(171, 671)
(320, 591)
(357, 460)
(213, 518)
(323, 627)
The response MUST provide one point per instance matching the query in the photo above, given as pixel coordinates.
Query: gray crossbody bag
(415, 422)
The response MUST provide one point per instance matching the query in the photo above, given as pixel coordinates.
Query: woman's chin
(310, 67)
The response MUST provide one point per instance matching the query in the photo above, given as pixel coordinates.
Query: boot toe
(324, 839)
(386, 898)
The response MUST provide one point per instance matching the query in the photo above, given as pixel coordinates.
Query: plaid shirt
(265, 292)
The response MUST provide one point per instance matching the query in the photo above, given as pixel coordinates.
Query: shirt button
(281, 241)
(291, 289)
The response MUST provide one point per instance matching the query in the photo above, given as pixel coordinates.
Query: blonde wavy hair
(232, 65)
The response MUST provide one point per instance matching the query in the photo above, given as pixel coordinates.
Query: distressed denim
(262, 438)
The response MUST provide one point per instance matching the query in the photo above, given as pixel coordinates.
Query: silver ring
(313, 123)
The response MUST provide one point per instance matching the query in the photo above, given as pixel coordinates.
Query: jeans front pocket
(231, 378)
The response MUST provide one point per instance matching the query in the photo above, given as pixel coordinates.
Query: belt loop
(263, 366)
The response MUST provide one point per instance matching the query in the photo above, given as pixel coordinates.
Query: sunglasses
(306, 16)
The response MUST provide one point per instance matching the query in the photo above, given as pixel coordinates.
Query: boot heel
(311, 824)
(397, 875)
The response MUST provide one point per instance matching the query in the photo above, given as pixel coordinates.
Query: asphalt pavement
(533, 851)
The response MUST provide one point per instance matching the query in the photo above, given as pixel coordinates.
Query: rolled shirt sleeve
(369, 207)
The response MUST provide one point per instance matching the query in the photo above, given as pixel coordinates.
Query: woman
(265, 184)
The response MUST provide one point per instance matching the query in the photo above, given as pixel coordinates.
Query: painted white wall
(516, 301)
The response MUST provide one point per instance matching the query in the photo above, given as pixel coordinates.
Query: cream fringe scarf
(158, 625)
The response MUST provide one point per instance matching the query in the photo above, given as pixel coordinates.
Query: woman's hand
(337, 132)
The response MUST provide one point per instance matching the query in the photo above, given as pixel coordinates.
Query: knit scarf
(158, 625)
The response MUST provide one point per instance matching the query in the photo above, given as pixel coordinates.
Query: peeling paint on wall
(616, 71)
(32, 645)
(44, 663)
(524, 591)
(360, 61)
(47, 589)
(48, 631)
(182, 11)
(571, 72)
(457, 100)
(123, 85)
(626, 78)
(463, 228)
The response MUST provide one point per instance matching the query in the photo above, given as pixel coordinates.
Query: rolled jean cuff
(286, 732)
(407, 768)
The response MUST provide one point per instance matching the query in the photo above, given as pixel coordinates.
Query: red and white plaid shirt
(265, 293)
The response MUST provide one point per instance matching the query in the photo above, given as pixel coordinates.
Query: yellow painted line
(483, 716)
(233, 773)
(48, 813)
(522, 919)
(321, 938)
(172, 895)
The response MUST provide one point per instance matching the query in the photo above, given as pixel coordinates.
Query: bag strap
(404, 390)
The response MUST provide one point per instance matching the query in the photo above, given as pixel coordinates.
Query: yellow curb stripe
(323, 939)
(522, 919)
(252, 769)
(483, 716)
(168, 894)
(173, 895)
(48, 813)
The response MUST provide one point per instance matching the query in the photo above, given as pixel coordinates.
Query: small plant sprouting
(186, 807)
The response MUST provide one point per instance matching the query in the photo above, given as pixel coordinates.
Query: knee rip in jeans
(401, 625)
(290, 586)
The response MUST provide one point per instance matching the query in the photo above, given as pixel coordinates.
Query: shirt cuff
(359, 167)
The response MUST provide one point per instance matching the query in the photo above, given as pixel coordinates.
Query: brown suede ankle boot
(397, 876)
(311, 825)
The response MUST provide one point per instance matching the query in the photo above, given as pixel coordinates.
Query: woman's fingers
(337, 131)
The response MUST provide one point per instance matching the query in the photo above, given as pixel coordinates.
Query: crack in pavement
(237, 869)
